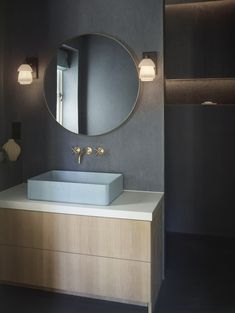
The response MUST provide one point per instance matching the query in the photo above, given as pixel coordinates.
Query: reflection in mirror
(91, 85)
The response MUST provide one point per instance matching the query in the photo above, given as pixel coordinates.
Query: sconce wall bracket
(151, 55)
(33, 62)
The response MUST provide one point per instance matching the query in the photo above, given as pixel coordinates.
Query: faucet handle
(99, 151)
(76, 150)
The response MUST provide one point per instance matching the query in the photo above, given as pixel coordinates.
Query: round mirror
(91, 85)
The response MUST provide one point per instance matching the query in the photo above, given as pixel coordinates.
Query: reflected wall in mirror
(91, 85)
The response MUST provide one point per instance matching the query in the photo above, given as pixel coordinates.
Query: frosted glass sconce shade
(25, 74)
(28, 71)
(147, 70)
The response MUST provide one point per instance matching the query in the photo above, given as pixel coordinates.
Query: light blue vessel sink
(76, 187)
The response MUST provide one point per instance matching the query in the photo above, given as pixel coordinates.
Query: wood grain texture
(101, 257)
(21, 228)
(157, 265)
(116, 238)
(104, 277)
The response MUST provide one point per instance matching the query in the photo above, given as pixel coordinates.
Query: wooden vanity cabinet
(106, 258)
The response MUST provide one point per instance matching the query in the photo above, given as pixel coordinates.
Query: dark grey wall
(10, 173)
(200, 36)
(200, 169)
(24, 104)
(136, 148)
(2, 109)
(200, 146)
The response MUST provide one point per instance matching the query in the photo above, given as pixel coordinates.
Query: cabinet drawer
(83, 274)
(116, 238)
(20, 228)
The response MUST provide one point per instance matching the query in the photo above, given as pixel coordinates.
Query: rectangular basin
(76, 187)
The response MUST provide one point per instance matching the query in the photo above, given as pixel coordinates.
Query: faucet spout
(80, 155)
(80, 152)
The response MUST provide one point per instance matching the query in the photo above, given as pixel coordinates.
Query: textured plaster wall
(35, 29)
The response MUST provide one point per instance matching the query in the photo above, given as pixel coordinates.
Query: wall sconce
(28, 71)
(148, 67)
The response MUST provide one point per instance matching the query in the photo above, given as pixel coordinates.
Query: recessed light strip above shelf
(202, 79)
(200, 91)
(195, 2)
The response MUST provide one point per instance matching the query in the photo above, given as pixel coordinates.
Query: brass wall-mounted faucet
(80, 152)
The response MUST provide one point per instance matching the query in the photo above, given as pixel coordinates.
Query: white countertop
(134, 205)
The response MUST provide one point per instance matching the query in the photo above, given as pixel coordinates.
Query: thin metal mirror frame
(131, 54)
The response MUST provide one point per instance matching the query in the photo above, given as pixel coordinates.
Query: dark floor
(200, 277)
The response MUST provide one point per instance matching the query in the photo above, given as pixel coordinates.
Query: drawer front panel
(21, 228)
(90, 275)
(116, 238)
